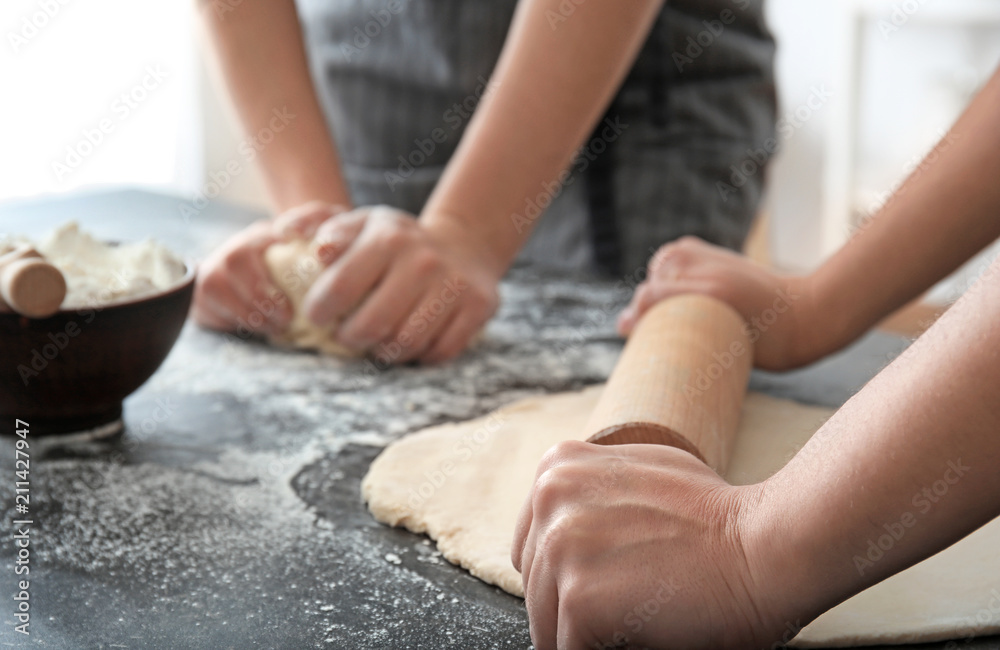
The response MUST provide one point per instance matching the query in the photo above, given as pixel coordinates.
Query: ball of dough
(294, 266)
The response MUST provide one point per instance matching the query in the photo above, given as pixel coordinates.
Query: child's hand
(780, 310)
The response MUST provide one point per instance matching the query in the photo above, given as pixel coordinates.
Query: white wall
(221, 136)
(918, 63)
(64, 68)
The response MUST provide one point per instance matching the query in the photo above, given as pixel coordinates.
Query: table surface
(229, 514)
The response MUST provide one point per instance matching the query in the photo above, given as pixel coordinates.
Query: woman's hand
(781, 312)
(641, 546)
(402, 290)
(235, 290)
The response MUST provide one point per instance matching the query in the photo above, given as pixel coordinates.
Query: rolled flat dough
(463, 484)
(294, 266)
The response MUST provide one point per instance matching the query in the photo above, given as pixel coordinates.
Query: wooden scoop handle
(29, 284)
(680, 381)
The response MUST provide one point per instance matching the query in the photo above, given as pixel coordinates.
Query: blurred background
(116, 93)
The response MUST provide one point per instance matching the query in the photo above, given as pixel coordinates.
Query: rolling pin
(680, 381)
(30, 285)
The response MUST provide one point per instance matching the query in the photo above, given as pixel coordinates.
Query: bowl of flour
(125, 306)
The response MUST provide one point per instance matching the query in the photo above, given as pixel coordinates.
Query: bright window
(98, 93)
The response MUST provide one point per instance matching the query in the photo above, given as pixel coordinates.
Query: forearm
(931, 418)
(260, 50)
(947, 210)
(549, 88)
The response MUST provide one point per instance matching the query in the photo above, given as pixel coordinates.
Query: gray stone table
(229, 515)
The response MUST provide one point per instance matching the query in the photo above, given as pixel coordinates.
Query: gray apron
(397, 80)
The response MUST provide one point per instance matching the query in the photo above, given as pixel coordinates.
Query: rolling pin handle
(30, 285)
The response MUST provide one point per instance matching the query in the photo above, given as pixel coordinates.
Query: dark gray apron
(397, 80)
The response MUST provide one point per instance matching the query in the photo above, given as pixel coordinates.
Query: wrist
(799, 551)
(818, 329)
(294, 186)
(466, 240)
(780, 559)
(842, 309)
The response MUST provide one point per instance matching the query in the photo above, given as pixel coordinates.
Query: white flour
(99, 274)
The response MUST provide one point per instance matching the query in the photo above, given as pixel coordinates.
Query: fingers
(542, 602)
(456, 336)
(522, 530)
(688, 265)
(337, 234)
(544, 494)
(424, 325)
(302, 222)
(340, 288)
(543, 535)
(382, 314)
(235, 288)
(663, 269)
(210, 315)
(258, 302)
(630, 315)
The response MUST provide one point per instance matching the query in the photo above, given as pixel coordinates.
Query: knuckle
(232, 262)
(557, 482)
(393, 237)
(426, 262)
(315, 206)
(210, 285)
(482, 305)
(389, 216)
(667, 255)
(566, 450)
(560, 537)
(550, 490)
(572, 598)
(643, 293)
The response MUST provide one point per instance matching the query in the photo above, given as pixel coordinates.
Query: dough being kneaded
(295, 265)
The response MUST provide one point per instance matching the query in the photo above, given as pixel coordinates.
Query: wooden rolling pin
(680, 381)
(29, 284)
